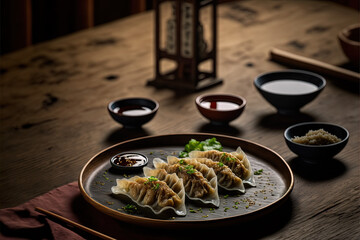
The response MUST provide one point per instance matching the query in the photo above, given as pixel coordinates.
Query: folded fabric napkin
(23, 222)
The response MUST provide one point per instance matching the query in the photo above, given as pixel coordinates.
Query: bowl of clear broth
(289, 90)
(316, 141)
(133, 112)
(220, 108)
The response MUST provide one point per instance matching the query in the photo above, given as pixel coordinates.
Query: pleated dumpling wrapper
(240, 154)
(154, 194)
(226, 178)
(200, 181)
(237, 161)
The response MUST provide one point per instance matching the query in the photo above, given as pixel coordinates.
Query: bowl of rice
(316, 141)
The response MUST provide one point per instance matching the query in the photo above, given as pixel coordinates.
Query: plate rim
(140, 220)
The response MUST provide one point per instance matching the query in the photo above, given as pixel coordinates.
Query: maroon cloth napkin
(23, 222)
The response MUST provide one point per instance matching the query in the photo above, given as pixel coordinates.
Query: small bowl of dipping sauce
(133, 112)
(349, 39)
(129, 161)
(220, 108)
(289, 90)
(316, 141)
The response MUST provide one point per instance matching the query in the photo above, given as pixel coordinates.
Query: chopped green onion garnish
(258, 172)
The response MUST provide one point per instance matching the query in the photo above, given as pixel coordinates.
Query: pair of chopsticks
(73, 224)
(313, 65)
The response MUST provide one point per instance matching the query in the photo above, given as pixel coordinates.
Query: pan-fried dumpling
(232, 161)
(200, 181)
(240, 154)
(151, 193)
(226, 178)
(172, 180)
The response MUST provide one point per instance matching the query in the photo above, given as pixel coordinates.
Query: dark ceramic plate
(274, 184)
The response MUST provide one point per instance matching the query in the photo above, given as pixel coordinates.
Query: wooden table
(54, 97)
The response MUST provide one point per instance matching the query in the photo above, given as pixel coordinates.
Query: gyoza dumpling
(172, 180)
(232, 161)
(150, 192)
(200, 181)
(226, 178)
(240, 154)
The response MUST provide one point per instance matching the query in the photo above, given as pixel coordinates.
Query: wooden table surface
(54, 97)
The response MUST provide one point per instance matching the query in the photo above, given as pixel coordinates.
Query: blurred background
(27, 22)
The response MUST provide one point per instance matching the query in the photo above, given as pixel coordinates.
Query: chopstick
(73, 224)
(313, 65)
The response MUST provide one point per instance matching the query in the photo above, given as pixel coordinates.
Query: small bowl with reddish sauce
(220, 108)
(128, 161)
(133, 112)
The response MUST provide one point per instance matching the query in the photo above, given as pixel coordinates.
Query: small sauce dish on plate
(220, 108)
(129, 161)
(289, 90)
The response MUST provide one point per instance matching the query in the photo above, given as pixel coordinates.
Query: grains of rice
(316, 137)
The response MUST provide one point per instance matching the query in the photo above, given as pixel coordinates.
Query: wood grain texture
(54, 97)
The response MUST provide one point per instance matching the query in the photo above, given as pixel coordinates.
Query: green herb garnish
(258, 172)
(156, 186)
(130, 208)
(151, 181)
(194, 145)
(190, 169)
(192, 210)
(104, 176)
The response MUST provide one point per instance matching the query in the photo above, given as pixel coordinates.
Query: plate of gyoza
(190, 179)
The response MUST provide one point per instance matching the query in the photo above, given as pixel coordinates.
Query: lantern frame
(186, 75)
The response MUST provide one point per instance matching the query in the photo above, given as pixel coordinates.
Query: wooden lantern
(186, 46)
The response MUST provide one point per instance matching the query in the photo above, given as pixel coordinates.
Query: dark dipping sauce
(129, 160)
